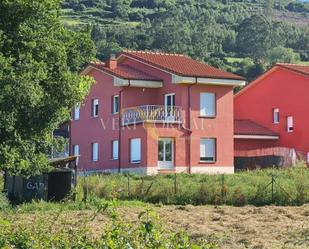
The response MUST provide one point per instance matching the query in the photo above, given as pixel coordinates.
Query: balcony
(152, 114)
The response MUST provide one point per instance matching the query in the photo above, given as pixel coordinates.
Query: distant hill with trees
(245, 37)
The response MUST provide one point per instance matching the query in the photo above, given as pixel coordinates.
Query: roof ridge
(151, 52)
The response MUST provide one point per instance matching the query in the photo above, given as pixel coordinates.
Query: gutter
(119, 126)
(189, 123)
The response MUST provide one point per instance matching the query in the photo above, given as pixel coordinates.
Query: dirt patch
(231, 227)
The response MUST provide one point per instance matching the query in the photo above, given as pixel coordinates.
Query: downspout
(119, 126)
(189, 124)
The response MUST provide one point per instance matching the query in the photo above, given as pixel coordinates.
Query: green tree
(254, 37)
(283, 55)
(39, 81)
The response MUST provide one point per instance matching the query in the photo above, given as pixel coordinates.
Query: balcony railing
(152, 113)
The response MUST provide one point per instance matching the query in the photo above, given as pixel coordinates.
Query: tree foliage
(39, 81)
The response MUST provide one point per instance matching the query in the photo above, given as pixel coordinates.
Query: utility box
(53, 186)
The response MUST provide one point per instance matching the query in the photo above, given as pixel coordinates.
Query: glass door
(166, 153)
(169, 104)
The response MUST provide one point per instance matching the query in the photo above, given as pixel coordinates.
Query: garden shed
(55, 185)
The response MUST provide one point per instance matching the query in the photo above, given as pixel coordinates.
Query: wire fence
(278, 188)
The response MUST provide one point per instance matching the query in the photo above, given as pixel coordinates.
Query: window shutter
(95, 152)
(135, 150)
(115, 149)
(207, 104)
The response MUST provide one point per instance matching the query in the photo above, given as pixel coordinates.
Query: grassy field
(110, 218)
(208, 227)
(261, 187)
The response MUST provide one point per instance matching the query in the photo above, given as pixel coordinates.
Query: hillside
(211, 31)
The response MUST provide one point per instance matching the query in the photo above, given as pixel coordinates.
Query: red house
(273, 111)
(155, 112)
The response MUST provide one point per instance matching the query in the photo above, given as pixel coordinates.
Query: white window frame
(76, 114)
(95, 108)
(210, 112)
(76, 150)
(95, 152)
(206, 153)
(115, 110)
(290, 124)
(115, 149)
(135, 150)
(276, 115)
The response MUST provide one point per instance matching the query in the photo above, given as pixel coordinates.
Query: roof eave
(177, 79)
(256, 136)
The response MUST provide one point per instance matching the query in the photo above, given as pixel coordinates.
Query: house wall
(281, 89)
(104, 129)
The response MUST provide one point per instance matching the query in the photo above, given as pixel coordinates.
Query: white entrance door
(169, 103)
(165, 153)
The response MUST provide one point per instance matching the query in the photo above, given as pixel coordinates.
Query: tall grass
(260, 187)
(55, 231)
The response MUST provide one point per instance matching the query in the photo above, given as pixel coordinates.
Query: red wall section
(281, 89)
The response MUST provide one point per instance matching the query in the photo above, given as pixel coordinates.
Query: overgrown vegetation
(261, 187)
(207, 30)
(52, 231)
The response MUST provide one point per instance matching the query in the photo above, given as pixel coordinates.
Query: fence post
(175, 184)
(128, 177)
(272, 188)
(222, 188)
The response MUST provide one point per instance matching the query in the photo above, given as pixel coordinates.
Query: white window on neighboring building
(76, 150)
(95, 152)
(207, 104)
(95, 108)
(115, 104)
(115, 149)
(276, 116)
(290, 124)
(76, 112)
(208, 150)
(135, 150)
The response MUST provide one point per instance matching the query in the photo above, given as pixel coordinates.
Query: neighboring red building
(151, 112)
(278, 103)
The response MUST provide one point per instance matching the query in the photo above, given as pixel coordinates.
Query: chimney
(112, 62)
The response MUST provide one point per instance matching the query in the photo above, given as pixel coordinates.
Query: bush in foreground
(49, 232)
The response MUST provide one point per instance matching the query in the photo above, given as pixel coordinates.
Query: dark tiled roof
(180, 65)
(125, 72)
(303, 69)
(248, 127)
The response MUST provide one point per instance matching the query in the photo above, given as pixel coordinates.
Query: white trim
(154, 170)
(212, 170)
(176, 79)
(224, 82)
(256, 137)
(114, 104)
(137, 83)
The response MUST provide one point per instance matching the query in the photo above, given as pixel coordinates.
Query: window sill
(207, 162)
(210, 117)
(136, 162)
(114, 159)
